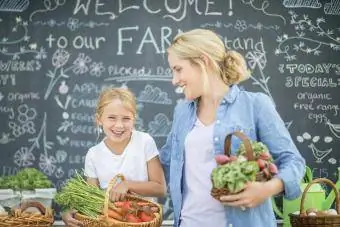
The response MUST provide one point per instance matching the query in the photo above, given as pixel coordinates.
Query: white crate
(42, 195)
(9, 198)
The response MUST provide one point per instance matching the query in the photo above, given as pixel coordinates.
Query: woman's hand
(69, 220)
(253, 194)
(119, 191)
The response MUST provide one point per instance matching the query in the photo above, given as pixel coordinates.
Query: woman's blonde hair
(229, 64)
(124, 95)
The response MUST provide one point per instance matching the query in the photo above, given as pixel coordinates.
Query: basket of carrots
(94, 208)
(30, 213)
(252, 162)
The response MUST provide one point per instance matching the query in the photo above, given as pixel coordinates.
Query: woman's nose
(174, 80)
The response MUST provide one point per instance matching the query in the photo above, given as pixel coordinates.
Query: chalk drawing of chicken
(319, 154)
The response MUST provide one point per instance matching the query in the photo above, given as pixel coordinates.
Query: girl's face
(187, 76)
(117, 122)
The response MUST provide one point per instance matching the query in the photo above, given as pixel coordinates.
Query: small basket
(260, 176)
(302, 220)
(104, 221)
(24, 219)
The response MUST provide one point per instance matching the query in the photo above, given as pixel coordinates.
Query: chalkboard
(56, 56)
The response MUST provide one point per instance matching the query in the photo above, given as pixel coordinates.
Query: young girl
(123, 151)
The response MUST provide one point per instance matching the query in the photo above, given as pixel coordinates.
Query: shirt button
(223, 101)
(216, 139)
(218, 122)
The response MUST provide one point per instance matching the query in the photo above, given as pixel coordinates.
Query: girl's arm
(155, 187)
(92, 181)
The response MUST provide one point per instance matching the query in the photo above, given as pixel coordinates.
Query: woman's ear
(205, 59)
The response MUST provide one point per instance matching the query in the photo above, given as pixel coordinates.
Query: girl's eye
(126, 119)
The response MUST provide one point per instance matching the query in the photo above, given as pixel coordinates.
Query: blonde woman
(215, 107)
(123, 151)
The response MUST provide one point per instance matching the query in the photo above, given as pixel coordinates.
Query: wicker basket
(25, 219)
(302, 220)
(104, 221)
(260, 176)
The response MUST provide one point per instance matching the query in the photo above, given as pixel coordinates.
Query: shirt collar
(229, 97)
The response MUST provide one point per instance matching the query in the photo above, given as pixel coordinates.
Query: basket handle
(246, 142)
(112, 183)
(321, 180)
(25, 205)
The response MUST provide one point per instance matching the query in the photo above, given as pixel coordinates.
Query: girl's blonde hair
(124, 95)
(229, 64)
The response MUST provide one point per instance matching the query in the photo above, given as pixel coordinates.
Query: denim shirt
(255, 115)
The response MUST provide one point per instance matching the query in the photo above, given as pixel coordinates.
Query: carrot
(120, 210)
(115, 215)
(119, 203)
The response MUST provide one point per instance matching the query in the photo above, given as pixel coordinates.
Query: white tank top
(199, 207)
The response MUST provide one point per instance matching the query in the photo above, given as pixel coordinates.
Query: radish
(222, 159)
(273, 168)
(261, 163)
(265, 156)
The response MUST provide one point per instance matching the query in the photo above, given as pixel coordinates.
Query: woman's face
(117, 121)
(186, 75)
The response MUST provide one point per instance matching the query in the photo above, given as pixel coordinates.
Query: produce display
(89, 200)
(235, 171)
(25, 179)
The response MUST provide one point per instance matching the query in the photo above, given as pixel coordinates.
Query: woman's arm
(273, 132)
(165, 151)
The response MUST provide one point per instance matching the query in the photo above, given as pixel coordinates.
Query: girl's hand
(69, 220)
(119, 191)
(253, 194)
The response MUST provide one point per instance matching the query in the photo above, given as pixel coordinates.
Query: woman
(214, 108)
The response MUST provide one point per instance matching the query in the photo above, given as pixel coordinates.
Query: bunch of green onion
(77, 194)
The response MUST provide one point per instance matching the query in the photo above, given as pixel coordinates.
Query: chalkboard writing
(57, 55)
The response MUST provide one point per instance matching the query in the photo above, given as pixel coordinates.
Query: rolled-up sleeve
(273, 132)
(165, 151)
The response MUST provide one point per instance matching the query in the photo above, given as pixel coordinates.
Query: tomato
(132, 218)
(145, 217)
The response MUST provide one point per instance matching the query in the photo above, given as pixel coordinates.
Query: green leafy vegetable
(234, 175)
(25, 179)
(79, 195)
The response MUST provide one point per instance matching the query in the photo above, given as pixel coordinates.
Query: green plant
(25, 179)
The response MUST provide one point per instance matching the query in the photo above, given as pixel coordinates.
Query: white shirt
(199, 207)
(103, 164)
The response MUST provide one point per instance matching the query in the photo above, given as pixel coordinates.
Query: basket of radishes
(252, 162)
